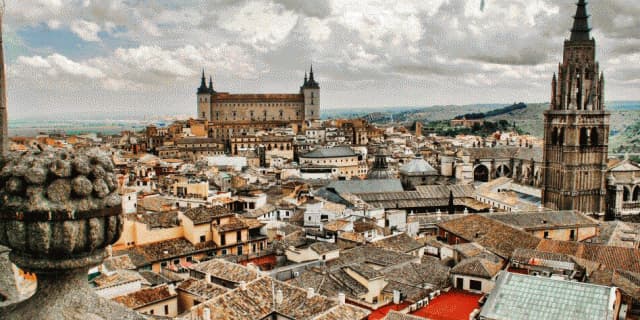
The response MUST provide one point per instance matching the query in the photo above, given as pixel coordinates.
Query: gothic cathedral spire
(203, 84)
(576, 127)
(581, 29)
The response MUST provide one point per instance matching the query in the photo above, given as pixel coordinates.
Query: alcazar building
(232, 115)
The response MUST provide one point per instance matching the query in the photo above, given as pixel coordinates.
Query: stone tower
(204, 98)
(576, 127)
(4, 131)
(311, 91)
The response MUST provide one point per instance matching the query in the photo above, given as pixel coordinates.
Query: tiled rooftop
(400, 242)
(607, 256)
(544, 219)
(201, 215)
(225, 270)
(201, 288)
(259, 299)
(519, 297)
(452, 305)
(145, 297)
(497, 237)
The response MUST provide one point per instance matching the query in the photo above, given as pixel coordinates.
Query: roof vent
(206, 314)
(310, 293)
(243, 285)
(341, 298)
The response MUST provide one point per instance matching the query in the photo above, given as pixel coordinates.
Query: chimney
(310, 293)
(243, 285)
(396, 297)
(341, 298)
(279, 296)
(206, 314)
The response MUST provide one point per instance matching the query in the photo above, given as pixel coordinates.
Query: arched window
(626, 196)
(594, 137)
(561, 137)
(584, 137)
(636, 193)
(554, 136)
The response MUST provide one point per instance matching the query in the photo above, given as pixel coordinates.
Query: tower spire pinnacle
(203, 84)
(581, 28)
(311, 74)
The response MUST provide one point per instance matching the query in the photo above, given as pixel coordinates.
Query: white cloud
(262, 25)
(87, 31)
(59, 65)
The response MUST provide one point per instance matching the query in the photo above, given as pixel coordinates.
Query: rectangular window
(166, 309)
(572, 235)
(223, 239)
(475, 285)
(546, 234)
(239, 236)
(203, 238)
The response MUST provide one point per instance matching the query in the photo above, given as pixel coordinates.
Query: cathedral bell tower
(576, 127)
(204, 98)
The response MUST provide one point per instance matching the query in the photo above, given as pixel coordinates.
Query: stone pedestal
(58, 213)
(67, 295)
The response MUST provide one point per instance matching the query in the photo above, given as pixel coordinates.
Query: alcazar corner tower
(576, 126)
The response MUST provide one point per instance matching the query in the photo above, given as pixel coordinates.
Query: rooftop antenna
(4, 132)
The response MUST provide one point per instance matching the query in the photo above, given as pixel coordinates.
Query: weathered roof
(226, 270)
(400, 242)
(323, 247)
(144, 297)
(366, 186)
(146, 254)
(539, 220)
(441, 192)
(521, 297)
(362, 269)
(201, 288)
(335, 152)
(259, 300)
(116, 278)
(202, 215)
(483, 266)
(372, 255)
(497, 237)
(118, 262)
(259, 97)
(608, 256)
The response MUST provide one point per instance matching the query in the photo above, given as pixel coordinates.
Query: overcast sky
(69, 57)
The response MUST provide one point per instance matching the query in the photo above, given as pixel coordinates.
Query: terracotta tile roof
(371, 255)
(482, 266)
(164, 250)
(116, 278)
(545, 219)
(400, 242)
(226, 270)
(233, 223)
(323, 247)
(495, 236)
(258, 300)
(609, 257)
(365, 271)
(144, 297)
(252, 223)
(201, 288)
(201, 215)
(336, 225)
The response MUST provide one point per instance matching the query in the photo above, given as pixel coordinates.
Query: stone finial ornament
(59, 210)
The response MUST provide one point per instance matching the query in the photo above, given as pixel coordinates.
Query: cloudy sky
(72, 57)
